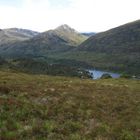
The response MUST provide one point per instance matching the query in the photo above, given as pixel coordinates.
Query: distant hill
(15, 34)
(22, 32)
(88, 34)
(60, 39)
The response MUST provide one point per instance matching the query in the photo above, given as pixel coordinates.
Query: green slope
(124, 39)
(41, 66)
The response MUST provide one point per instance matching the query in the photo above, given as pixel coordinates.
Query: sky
(82, 15)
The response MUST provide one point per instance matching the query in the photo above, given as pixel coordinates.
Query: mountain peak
(65, 27)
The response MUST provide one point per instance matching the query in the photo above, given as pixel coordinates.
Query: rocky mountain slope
(15, 34)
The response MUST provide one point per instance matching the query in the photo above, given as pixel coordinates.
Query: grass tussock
(39, 107)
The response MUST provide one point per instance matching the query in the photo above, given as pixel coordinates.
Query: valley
(114, 50)
(48, 93)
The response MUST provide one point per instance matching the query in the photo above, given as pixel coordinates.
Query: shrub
(106, 76)
(49, 126)
(75, 137)
(127, 135)
(124, 75)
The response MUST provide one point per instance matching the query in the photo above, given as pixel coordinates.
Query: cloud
(89, 15)
(63, 4)
(36, 4)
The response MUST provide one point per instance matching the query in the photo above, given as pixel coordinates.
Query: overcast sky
(83, 15)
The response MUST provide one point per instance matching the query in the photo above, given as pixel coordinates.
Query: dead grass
(59, 108)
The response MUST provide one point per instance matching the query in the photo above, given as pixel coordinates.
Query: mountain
(123, 39)
(60, 36)
(70, 35)
(60, 39)
(117, 49)
(15, 34)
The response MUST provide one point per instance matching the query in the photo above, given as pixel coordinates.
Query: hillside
(60, 108)
(117, 49)
(38, 66)
(123, 39)
(60, 39)
(15, 34)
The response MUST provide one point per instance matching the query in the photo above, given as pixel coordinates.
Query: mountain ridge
(124, 34)
(56, 40)
(116, 49)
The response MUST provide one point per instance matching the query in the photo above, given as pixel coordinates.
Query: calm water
(96, 74)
